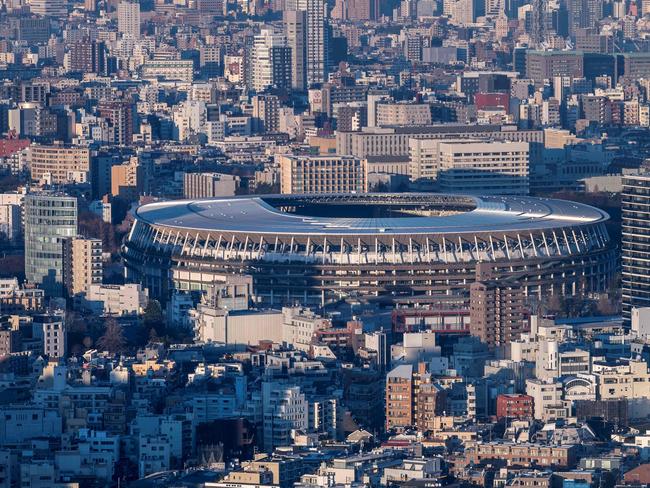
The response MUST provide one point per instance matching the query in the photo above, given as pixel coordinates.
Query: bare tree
(113, 338)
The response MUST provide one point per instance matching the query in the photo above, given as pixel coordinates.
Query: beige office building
(209, 185)
(322, 174)
(169, 70)
(470, 166)
(394, 141)
(59, 164)
(487, 168)
(82, 264)
(424, 157)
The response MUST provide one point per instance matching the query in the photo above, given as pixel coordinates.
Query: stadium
(410, 247)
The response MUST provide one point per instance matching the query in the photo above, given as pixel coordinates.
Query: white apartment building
(154, 454)
(11, 214)
(300, 325)
(8, 286)
(262, 58)
(640, 317)
(284, 409)
(48, 8)
(547, 397)
(630, 380)
(412, 469)
(51, 329)
(95, 456)
(116, 299)
(190, 118)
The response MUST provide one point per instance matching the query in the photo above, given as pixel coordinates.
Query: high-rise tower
(128, 19)
(270, 61)
(295, 25)
(49, 219)
(538, 23)
(584, 14)
(635, 205)
(315, 38)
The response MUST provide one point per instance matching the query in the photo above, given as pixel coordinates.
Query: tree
(606, 306)
(153, 321)
(152, 316)
(77, 330)
(113, 339)
(91, 225)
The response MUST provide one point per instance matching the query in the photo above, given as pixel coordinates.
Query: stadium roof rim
(254, 215)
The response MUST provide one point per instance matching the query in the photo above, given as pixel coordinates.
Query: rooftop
(368, 214)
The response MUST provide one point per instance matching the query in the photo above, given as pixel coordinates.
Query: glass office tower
(49, 218)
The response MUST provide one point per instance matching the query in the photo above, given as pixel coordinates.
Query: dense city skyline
(324, 243)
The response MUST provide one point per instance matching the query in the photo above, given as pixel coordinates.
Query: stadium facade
(317, 249)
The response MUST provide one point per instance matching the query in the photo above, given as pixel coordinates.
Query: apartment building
(322, 174)
(547, 397)
(126, 180)
(128, 19)
(10, 219)
(496, 309)
(399, 397)
(411, 398)
(300, 326)
(10, 339)
(285, 409)
(512, 406)
(117, 299)
(403, 114)
(59, 164)
(628, 379)
(82, 264)
(524, 455)
(635, 202)
(51, 328)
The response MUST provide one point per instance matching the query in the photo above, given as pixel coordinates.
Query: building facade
(49, 219)
(209, 185)
(635, 204)
(59, 164)
(496, 309)
(82, 264)
(485, 168)
(322, 174)
(128, 19)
